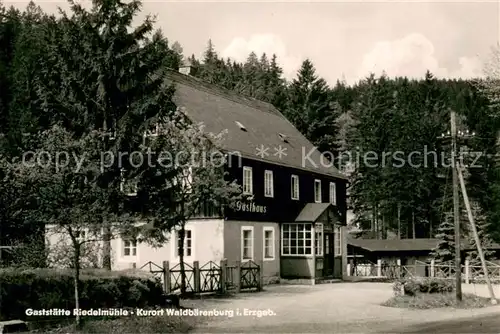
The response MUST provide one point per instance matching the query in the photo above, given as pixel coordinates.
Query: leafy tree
(65, 196)
(105, 75)
(191, 177)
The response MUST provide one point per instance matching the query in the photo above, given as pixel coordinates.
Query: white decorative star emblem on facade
(280, 151)
(262, 151)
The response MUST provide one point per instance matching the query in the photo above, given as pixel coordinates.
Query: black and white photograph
(249, 166)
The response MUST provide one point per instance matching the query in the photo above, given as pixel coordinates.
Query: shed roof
(311, 212)
(399, 245)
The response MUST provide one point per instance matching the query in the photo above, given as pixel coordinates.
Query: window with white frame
(268, 183)
(337, 250)
(130, 247)
(295, 187)
(188, 243)
(247, 180)
(296, 239)
(318, 239)
(153, 130)
(128, 187)
(80, 236)
(333, 193)
(246, 243)
(269, 243)
(187, 179)
(317, 191)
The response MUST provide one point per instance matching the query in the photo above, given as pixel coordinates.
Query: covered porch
(321, 225)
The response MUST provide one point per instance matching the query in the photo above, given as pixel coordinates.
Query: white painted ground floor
(288, 250)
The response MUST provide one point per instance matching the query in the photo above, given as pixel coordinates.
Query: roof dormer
(283, 137)
(241, 126)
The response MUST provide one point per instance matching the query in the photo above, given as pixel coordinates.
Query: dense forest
(377, 115)
(382, 115)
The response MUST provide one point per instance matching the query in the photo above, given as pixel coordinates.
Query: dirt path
(326, 308)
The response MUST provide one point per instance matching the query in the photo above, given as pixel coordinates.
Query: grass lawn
(437, 300)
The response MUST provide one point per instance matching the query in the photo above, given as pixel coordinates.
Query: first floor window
(337, 251)
(268, 183)
(127, 186)
(80, 236)
(268, 243)
(130, 247)
(317, 191)
(187, 243)
(318, 239)
(247, 180)
(295, 187)
(327, 244)
(247, 243)
(187, 179)
(333, 193)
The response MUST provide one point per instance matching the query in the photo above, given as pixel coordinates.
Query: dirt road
(325, 308)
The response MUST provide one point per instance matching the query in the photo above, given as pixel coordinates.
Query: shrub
(38, 289)
(413, 286)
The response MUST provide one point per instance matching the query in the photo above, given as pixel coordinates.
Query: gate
(231, 273)
(210, 277)
(176, 278)
(157, 271)
(243, 276)
(207, 278)
(250, 274)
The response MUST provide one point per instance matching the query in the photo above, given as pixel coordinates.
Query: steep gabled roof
(263, 125)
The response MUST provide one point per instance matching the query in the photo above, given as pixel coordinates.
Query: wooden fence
(211, 277)
(472, 272)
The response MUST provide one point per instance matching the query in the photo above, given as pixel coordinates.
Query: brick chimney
(186, 68)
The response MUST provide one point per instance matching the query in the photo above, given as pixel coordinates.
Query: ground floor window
(297, 239)
(319, 239)
(246, 243)
(188, 243)
(337, 251)
(130, 247)
(268, 243)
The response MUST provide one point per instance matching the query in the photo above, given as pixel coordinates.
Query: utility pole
(456, 208)
(476, 236)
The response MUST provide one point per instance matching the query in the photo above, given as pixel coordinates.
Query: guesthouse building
(295, 223)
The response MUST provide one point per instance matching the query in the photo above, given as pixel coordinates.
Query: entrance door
(328, 262)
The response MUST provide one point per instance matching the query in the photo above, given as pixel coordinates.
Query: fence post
(433, 268)
(196, 276)
(348, 269)
(379, 268)
(260, 275)
(237, 273)
(166, 277)
(223, 274)
(467, 271)
(398, 263)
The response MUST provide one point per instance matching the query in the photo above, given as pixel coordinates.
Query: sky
(345, 40)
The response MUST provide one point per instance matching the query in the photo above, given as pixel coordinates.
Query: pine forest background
(378, 114)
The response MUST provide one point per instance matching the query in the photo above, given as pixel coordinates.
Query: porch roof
(312, 212)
